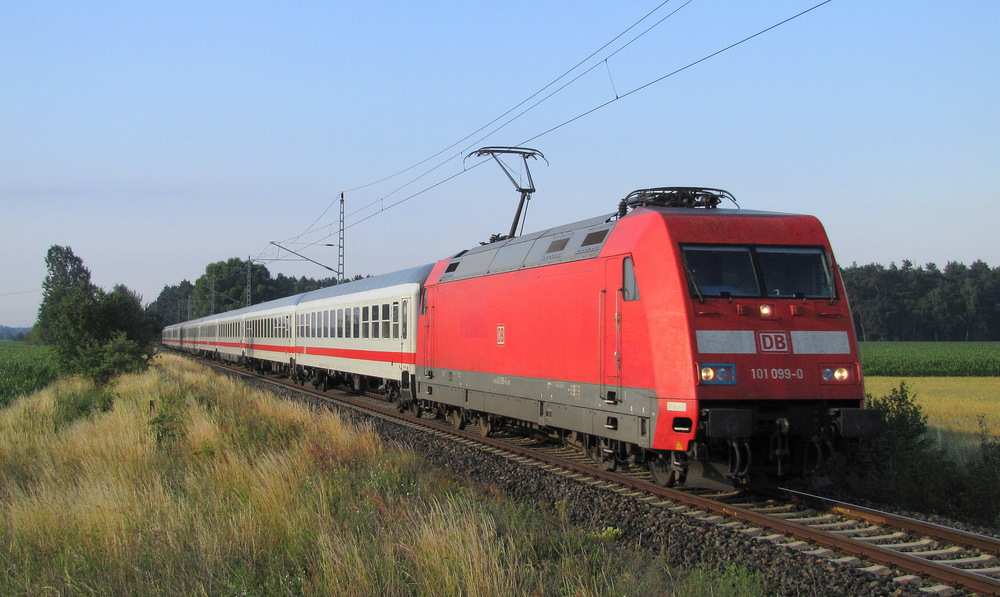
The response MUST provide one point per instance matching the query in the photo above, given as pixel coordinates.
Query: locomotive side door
(426, 326)
(610, 334)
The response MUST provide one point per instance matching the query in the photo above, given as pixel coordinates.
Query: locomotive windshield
(757, 271)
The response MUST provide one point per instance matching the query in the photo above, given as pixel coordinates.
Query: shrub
(77, 404)
(904, 467)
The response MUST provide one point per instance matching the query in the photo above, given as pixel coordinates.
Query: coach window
(395, 320)
(375, 322)
(357, 321)
(404, 318)
(340, 323)
(347, 322)
(385, 322)
(364, 322)
(630, 289)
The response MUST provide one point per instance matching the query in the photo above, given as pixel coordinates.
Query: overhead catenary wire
(583, 114)
(312, 227)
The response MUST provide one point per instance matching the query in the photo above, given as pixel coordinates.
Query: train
(712, 346)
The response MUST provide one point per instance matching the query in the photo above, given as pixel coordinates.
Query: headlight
(838, 374)
(718, 373)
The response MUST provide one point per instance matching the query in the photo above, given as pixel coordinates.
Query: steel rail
(984, 543)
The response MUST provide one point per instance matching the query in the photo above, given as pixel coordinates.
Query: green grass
(194, 484)
(24, 369)
(930, 359)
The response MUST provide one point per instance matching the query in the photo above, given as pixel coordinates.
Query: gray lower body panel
(548, 403)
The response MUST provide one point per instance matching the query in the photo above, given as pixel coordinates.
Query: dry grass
(223, 490)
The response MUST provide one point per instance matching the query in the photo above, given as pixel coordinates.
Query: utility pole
(249, 265)
(213, 295)
(340, 256)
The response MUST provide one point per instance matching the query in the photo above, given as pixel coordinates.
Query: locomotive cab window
(756, 271)
(795, 272)
(721, 271)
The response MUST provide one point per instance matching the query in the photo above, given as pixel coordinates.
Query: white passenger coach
(353, 332)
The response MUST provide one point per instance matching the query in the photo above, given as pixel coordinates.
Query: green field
(24, 369)
(930, 359)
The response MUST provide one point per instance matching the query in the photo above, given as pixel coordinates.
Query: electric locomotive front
(753, 350)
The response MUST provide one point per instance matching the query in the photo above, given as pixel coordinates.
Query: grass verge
(190, 483)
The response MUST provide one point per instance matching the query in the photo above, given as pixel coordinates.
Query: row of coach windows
(230, 330)
(269, 327)
(386, 321)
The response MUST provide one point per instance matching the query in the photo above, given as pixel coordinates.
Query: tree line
(223, 287)
(959, 303)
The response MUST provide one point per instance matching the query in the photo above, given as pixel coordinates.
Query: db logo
(500, 335)
(773, 342)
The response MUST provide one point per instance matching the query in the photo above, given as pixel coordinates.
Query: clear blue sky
(154, 138)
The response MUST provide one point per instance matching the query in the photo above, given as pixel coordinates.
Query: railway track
(941, 560)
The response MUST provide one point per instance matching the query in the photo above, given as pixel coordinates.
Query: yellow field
(951, 404)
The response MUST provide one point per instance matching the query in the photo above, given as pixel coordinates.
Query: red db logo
(773, 342)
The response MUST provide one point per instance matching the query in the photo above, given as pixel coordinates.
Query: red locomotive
(714, 346)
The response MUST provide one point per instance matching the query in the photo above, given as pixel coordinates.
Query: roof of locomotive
(569, 242)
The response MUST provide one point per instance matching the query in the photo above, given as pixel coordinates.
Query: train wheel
(456, 419)
(664, 474)
(486, 427)
(415, 408)
(598, 450)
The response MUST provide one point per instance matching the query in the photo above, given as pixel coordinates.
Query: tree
(223, 287)
(925, 303)
(95, 333)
